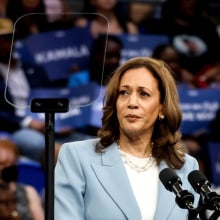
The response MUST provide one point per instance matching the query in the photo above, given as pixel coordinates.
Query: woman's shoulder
(189, 157)
(191, 162)
(78, 150)
(85, 142)
(82, 145)
(25, 190)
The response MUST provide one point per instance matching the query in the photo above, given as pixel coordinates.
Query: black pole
(49, 165)
(49, 106)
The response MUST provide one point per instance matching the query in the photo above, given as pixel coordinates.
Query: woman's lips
(131, 117)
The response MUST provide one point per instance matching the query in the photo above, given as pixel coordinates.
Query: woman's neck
(138, 148)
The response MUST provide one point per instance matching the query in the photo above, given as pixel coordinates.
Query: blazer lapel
(165, 199)
(113, 177)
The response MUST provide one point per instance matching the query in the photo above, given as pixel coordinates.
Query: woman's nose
(132, 101)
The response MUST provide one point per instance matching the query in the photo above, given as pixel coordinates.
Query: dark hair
(98, 50)
(171, 8)
(166, 136)
(10, 174)
(90, 13)
(23, 19)
(159, 49)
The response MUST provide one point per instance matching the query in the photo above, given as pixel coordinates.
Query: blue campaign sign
(57, 51)
(199, 107)
(140, 45)
(80, 102)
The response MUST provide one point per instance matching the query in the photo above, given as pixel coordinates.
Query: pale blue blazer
(95, 186)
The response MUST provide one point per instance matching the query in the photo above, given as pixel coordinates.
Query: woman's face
(138, 103)
(30, 4)
(7, 158)
(104, 4)
(7, 203)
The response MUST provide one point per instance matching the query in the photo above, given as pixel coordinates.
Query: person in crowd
(169, 54)
(208, 77)
(116, 176)
(28, 201)
(102, 17)
(58, 10)
(3, 8)
(143, 15)
(7, 203)
(194, 143)
(29, 17)
(29, 137)
(16, 80)
(215, 127)
(105, 57)
(60, 14)
(193, 34)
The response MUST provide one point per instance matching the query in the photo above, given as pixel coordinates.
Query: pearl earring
(161, 117)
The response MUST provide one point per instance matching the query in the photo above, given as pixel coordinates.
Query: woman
(194, 35)
(104, 16)
(29, 17)
(116, 175)
(170, 55)
(28, 202)
(7, 203)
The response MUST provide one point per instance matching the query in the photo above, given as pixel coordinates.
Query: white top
(19, 89)
(17, 84)
(144, 183)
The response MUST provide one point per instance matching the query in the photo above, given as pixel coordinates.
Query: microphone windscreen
(195, 178)
(168, 177)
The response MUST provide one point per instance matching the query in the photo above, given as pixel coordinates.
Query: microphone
(173, 183)
(202, 186)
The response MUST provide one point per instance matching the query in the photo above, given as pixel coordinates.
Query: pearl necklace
(132, 162)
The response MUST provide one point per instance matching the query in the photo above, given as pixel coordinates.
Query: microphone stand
(215, 215)
(49, 106)
(184, 199)
(212, 202)
(193, 213)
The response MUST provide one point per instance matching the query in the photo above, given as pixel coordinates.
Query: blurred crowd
(192, 53)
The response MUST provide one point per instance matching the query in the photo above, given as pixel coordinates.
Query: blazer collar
(165, 199)
(113, 177)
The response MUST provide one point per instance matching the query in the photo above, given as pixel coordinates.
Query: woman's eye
(142, 93)
(123, 92)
